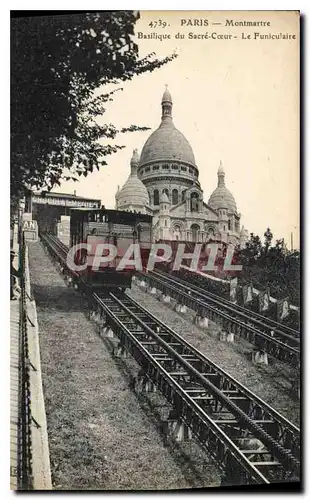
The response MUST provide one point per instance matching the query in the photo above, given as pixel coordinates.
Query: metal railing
(24, 467)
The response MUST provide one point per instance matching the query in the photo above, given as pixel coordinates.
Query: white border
(302, 5)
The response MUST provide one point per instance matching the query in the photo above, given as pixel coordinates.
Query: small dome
(134, 191)
(222, 198)
(164, 198)
(243, 231)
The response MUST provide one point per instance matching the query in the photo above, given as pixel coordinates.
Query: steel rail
(54, 241)
(158, 325)
(186, 366)
(264, 341)
(283, 337)
(196, 369)
(255, 317)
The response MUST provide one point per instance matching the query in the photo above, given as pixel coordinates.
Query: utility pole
(292, 242)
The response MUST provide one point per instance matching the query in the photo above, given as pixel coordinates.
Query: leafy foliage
(57, 64)
(272, 266)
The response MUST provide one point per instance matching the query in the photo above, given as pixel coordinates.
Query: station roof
(51, 194)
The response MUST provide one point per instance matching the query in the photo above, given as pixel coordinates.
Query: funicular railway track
(257, 319)
(250, 441)
(276, 343)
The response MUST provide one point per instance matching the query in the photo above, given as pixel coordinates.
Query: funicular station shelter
(50, 212)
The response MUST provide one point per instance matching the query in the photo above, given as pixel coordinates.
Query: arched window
(194, 202)
(166, 191)
(194, 229)
(156, 197)
(175, 197)
(177, 232)
(229, 225)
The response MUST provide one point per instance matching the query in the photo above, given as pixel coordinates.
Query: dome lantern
(134, 162)
(166, 104)
(221, 175)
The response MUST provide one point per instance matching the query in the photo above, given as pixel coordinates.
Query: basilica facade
(164, 182)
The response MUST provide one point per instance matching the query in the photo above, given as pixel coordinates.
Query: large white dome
(167, 142)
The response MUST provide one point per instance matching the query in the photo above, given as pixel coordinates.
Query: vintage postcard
(155, 250)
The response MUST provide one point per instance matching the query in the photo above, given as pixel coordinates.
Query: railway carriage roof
(113, 215)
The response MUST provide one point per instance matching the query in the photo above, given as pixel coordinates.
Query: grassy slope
(100, 435)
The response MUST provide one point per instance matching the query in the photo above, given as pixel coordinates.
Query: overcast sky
(234, 100)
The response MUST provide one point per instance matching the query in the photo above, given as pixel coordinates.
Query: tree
(271, 266)
(57, 64)
(252, 251)
(268, 240)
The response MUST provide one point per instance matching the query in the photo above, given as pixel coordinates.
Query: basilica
(164, 182)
